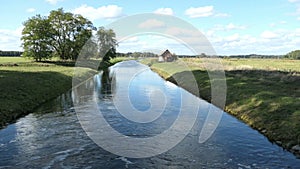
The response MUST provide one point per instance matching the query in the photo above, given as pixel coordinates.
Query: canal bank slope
(25, 85)
(266, 100)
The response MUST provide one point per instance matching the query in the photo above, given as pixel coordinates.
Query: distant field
(257, 64)
(5, 60)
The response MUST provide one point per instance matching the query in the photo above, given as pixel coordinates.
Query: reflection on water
(53, 138)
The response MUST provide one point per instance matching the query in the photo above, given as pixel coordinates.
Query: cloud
(10, 39)
(279, 41)
(228, 27)
(152, 43)
(53, 2)
(151, 24)
(103, 12)
(232, 26)
(204, 11)
(234, 37)
(30, 10)
(293, 1)
(164, 11)
(268, 35)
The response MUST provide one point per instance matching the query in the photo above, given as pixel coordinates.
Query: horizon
(232, 27)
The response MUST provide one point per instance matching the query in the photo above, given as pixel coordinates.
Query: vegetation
(60, 34)
(66, 35)
(266, 98)
(293, 55)
(24, 84)
(10, 53)
(107, 43)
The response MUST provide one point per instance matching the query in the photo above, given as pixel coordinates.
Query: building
(166, 57)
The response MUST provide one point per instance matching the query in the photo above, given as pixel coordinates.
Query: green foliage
(293, 55)
(69, 33)
(61, 34)
(107, 43)
(36, 38)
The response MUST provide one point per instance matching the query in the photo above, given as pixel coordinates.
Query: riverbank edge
(11, 115)
(295, 149)
(60, 83)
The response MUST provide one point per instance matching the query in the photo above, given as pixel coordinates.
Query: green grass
(285, 65)
(265, 98)
(24, 84)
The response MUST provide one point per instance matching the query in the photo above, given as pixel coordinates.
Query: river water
(59, 134)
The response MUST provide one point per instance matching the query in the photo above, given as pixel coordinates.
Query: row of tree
(10, 53)
(64, 34)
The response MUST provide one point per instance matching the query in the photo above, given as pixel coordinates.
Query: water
(52, 137)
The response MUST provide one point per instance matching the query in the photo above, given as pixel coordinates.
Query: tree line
(293, 55)
(64, 34)
(10, 53)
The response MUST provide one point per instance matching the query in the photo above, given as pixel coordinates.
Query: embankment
(25, 85)
(266, 100)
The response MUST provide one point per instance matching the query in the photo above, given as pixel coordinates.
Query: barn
(166, 56)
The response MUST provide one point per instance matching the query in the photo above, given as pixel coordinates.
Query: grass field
(25, 84)
(285, 65)
(264, 93)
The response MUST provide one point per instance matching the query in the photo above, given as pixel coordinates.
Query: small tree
(107, 43)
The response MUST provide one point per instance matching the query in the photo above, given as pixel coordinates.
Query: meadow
(264, 93)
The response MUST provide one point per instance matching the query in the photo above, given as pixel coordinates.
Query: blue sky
(231, 26)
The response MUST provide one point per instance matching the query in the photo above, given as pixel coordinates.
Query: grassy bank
(24, 84)
(265, 94)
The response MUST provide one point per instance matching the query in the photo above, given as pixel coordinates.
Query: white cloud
(152, 43)
(151, 24)
(30, 10)
(53, 2)
(204, 11)
(268, 35)
(228, 27)
(103, 12)
(298, 18)
(234, 37)
(293, 1)
(164, 11)
(279, 41)
(10, 39)
(232, 26)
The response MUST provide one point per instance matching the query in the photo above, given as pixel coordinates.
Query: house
(166, 57)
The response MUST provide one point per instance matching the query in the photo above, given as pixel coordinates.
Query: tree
(107, 43)
(36, 38)
(89, 50)
(69, 33)
(293, 55)
(61, 33)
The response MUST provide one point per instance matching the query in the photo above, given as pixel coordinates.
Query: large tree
(36, 38)
(69, 33)
(61, 33)
(107, 43)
